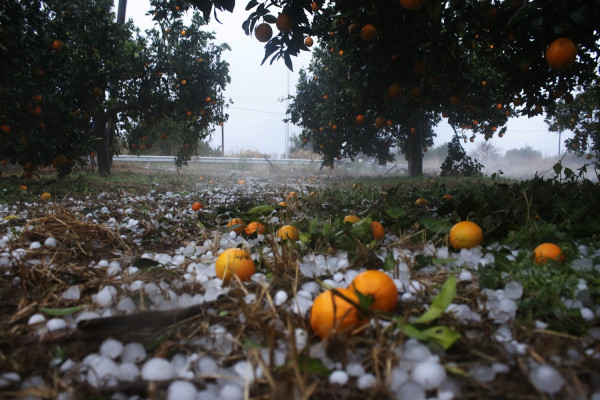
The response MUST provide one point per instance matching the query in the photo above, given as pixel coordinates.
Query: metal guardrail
(386, 169)
(216, 160)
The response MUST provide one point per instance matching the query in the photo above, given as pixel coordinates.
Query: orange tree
(179, 94)
(477, 62)
(60, 59)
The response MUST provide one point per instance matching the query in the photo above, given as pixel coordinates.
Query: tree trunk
(415, 162)
(102, 132)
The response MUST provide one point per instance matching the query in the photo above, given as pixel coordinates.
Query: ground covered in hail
(108, 289)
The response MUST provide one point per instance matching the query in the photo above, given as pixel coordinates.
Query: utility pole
(287, 123)
(559, 135)
(222, 131)
(121, 11)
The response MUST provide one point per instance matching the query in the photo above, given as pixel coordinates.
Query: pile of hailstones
(419, 373)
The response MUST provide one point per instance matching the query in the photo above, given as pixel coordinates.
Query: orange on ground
(331, 313)
(284, 23)
(254, 227)
(237, 224)
(465, 235)
(377, 230)
(45, 196)
(447, 197)
(368, 32)
(288, 232)
(196, 206)
(23, 187)
(263, 32)
(351, 219)
(548, 251)
(379, 285)
(2, 162)
(561, 53)
(234, 262)
(420, 201)
(412, 4)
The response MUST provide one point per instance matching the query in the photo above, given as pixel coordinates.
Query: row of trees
(386, 72)
(73, 79)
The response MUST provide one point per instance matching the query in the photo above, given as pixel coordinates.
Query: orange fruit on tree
(284, 23)
(420, 201)
(454, 100)
(368, 32)
(288, 232)
(314, 6)
(380, 122)
(379, 286)
(394, 91)
(415, 92)
(308, 42)
(234, 262)
(254, 227)
(183, 32)
(263, 32)
(34, 111)
(237, 225)
(351, 218)
(377, 230)
(331, 313)
(37, 98)
(2, 162)
(561, 53)
(196, 206)
(56, 45)
(412, 4)
(548, 251)
(360, 119)
(5, 128)
(465, 235)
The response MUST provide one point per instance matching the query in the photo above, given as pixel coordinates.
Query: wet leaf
(443, 335)
(145, 263)
(59, 312)
(440, 302)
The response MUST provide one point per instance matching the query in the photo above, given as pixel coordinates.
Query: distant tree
(525, 153)
(485, 151)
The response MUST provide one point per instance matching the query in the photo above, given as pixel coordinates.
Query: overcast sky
(255, 117)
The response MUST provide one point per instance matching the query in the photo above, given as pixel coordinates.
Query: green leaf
(422, 261)
(557, 168)
(313, 226)
(413, 332)
(440, 302)
(312, 366)
(59, 312)
(395, 211)
(262, 210)
(436, 225)
(304, 237)
(443, 335)
(269, 18)
(251, 344)
(362, 227)
(389, 263)
(145, 263)
(443, 261)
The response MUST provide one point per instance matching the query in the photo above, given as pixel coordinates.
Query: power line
(255, 110)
